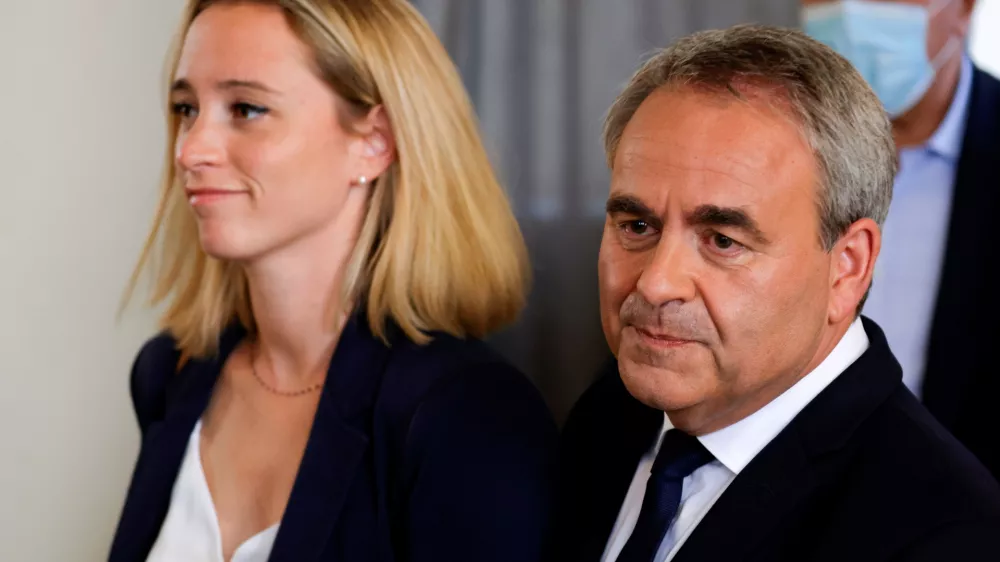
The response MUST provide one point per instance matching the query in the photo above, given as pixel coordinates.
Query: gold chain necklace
(271, 389)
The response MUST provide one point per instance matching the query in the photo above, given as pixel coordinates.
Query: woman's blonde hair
(439, 248)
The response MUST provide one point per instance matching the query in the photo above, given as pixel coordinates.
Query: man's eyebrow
(713, 215)
(628, 205)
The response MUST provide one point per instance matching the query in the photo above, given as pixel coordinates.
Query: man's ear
(374, 145)
(852, 267)
(966, 9)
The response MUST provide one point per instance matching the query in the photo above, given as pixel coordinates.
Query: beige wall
(80, 151)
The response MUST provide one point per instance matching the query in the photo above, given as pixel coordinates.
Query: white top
(190, 532)
(733, 447)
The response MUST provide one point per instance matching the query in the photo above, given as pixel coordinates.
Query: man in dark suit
(932, 292)
(754, 414)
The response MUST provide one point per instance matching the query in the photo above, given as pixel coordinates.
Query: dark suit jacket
(962, 380)
(862, 473)
(435, 453)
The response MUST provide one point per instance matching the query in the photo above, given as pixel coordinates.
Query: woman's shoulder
(417, 370)
(152, 370)
(461, 409)
(444, 351)
(452, 380)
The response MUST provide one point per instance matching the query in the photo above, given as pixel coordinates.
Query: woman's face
(260, 151)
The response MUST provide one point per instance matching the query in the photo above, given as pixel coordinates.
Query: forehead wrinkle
(768, 101)
(633, 162)
(721, 149)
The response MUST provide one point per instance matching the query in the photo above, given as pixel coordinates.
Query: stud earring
(362, 180)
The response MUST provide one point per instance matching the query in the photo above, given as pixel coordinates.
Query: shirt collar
(735, 446)
(947, 139)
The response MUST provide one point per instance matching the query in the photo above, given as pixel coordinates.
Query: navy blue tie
(680, 455)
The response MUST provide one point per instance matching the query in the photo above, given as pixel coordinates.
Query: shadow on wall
(558, 340)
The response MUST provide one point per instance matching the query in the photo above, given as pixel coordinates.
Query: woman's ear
(374, 145)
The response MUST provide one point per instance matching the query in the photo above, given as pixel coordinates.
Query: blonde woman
(330, 244)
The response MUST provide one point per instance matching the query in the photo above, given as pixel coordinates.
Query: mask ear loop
(953, 44)
(936, 7)
(950, 47)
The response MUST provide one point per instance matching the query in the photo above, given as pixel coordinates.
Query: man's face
(714, 283)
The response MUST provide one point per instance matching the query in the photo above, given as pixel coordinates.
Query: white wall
(80, 152)
(984, 37)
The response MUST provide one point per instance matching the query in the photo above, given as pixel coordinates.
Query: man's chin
(664, 388)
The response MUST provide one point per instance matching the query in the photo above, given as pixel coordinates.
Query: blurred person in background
(330, 245)
(933, 292)
(755, 414)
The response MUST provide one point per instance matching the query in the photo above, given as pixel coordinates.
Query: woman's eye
(183, 110)
(248, 111)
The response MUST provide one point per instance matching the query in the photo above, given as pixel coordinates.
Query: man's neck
(917, 125)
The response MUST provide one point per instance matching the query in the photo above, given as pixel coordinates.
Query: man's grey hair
(840, 117)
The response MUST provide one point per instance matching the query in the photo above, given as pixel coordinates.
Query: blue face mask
(886, 42)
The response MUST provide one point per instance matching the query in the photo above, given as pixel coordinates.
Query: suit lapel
(163, 448)
(800, 459)
(623, 433)
(336, 447)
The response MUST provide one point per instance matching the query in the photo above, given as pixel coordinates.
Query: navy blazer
(863, 473)
(962, 376)
(417, 453)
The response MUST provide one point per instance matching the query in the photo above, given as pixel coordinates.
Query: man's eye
(724, 245)
(637, 227)
(722, 241)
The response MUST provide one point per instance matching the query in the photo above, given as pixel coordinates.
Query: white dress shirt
(733, 448)
(908, 270)
(190, 532)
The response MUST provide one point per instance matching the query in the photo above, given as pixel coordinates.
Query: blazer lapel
(757, 500)
(625, 430)
(337, 444)
(162, 451)
(797, 461)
